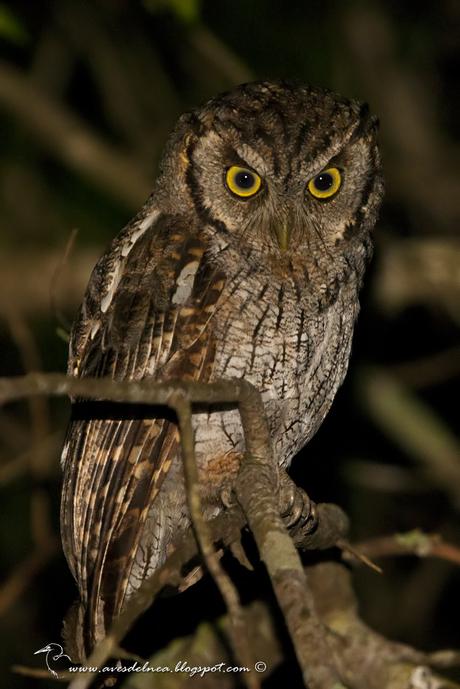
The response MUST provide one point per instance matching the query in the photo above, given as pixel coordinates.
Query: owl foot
(296, 508)
(228, 497)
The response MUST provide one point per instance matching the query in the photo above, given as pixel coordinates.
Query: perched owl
(245, 262)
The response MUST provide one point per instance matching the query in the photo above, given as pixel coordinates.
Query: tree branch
(260, 503)
(331, 643)
(257, 491)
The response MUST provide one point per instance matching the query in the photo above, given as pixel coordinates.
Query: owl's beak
(282, 231)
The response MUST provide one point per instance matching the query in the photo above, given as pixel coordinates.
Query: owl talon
(296, 506)
(311, 522)
(227, 497)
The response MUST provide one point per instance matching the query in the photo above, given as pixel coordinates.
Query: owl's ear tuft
(368, 124)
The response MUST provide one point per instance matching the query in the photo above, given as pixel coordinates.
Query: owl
(245, 262)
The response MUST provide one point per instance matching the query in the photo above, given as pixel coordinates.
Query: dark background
(88, 94)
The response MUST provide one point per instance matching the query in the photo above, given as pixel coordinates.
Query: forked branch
(256, 489)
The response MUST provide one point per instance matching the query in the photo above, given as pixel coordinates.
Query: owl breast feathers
(246, 261)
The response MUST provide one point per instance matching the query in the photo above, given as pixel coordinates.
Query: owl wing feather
(155, 325)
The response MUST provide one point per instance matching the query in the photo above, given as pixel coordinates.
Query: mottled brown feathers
(115, 468)
(199, 286)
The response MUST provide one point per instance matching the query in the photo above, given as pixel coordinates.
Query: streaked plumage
(200, 286)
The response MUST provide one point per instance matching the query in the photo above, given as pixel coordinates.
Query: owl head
(280, 169)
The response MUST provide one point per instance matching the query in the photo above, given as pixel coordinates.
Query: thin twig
(355, 552)
(54, 282)
(238, 629)
(140, 392)
(37, 673)
(414, 542)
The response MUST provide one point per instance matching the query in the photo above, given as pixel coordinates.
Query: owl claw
(297, 510)
(227, 496)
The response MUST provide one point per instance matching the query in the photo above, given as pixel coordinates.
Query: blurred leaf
(416, 542)
(63, 334)
(11, 29)
(187, 11)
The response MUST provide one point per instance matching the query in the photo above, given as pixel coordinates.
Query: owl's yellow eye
(326, 184)
(242, 182)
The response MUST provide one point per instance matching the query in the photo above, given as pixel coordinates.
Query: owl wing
(146, 314)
